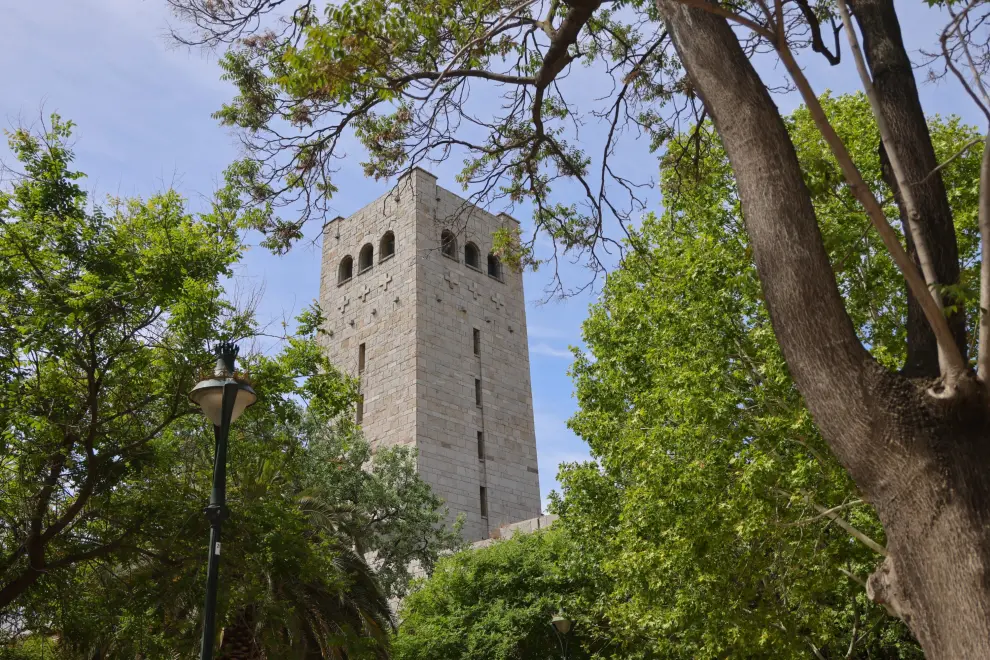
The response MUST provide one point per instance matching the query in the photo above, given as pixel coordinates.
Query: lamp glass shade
(561, 623)
(208, 395)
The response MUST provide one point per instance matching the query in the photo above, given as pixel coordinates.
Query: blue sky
(143, 113)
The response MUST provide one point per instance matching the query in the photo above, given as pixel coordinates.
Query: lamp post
(561, 626)
(222, 399)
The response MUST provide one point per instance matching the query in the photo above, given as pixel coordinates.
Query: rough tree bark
(922, 348)
(893, 79)
(237, 641)
(922, 461)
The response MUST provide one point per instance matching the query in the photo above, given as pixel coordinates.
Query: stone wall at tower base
(506, 532)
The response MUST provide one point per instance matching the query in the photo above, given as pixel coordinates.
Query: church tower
(434, 326)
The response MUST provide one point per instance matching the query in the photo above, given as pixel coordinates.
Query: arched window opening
(448, 244)
(346, 269)
(366, 259)
(494, 267)
(472, 256)
(386, 247)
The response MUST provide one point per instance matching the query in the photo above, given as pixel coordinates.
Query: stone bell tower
(434, 326)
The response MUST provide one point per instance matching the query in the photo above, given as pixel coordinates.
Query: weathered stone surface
(415, 313)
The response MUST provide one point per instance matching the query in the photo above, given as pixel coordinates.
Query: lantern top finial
(226, 352)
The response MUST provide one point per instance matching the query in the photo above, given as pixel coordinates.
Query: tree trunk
(238, 641)
(923, 462)
(893, 80)
(921, 360)
(17, 586)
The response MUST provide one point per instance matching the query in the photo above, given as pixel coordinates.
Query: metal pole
(563, 639)
(216, 513)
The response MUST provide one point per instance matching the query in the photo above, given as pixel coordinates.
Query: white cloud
(546, 349)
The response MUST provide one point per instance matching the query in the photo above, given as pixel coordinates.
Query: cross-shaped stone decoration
(385, 281)
(343, 305)
(497, 299)
(364, 293)
(450, 278)
(473, 288)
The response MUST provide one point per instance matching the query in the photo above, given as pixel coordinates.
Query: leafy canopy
(714, 507)
(419, 81)
(496, 602)
(108, 315)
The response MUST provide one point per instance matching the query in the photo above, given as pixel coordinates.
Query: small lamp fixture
(561, 626)
(208, 394)
(561, 623)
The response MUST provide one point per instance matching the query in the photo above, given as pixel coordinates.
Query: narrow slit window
(484, 502)
(477, 392)
(359, 418)
(481, 445)
(361, 356)
(477, 341)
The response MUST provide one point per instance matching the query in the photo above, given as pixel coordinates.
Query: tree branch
(826, 514)
(817, 44)
(955, 366)
(966, 147)
(983, 360)
(463, 73)
(904, 186)
(93, 553)
(732, 16)
(485, 35)
(832, 514)
(816, 335)
(950, 62)
(984, 103)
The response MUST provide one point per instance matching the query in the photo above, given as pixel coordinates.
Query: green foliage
(714, 521)
(107, 319)
(307, 500)
(496, 602)
(867, 278)
(705, 505)
(398, 75)
(106, 315)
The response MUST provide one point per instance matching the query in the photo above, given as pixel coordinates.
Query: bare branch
(954, 365)
(852, 576)
(983, 360)
(852, 531)
(840, 521)
(953, 28)
(826, 514)
(903, 185)
(966, 147)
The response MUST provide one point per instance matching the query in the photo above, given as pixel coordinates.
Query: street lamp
(222, 399)
(561, 626)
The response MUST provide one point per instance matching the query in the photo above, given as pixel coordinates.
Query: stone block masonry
(435, 328)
